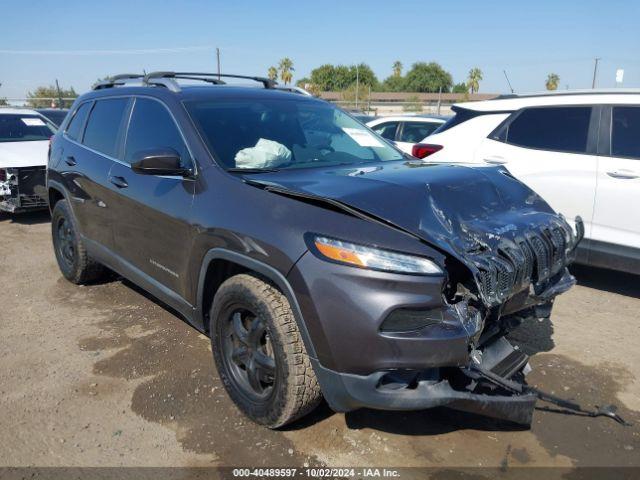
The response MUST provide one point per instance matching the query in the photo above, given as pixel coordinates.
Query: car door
(616, 219)
(553, 151)
(411, 133)
(87, 157)
(152, 229)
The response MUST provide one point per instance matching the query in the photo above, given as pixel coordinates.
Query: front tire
(75, 263)
(259, 353)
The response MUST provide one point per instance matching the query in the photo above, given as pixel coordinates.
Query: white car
(580, 150)
(24, 145)
(406, 130)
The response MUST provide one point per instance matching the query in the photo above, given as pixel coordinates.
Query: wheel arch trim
(263, 269)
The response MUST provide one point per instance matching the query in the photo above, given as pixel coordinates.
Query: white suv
(580, 150)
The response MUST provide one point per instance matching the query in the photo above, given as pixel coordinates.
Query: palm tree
(397, 68)
(473, 81)
(553, 80)
(286, 67)
(272, 73)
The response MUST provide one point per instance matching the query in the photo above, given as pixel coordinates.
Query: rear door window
(74, 130)
(557, 129)
(105, 122)
(415, 132)
(386, 130)
(625, 132)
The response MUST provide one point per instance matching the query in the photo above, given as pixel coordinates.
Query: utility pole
(59, 94)
(439, 99)
(595, 72)
(357, 84)
(218, 58)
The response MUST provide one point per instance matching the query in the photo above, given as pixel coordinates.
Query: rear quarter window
(74, 130)
(557, 129)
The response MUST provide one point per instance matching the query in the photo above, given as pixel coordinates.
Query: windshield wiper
(252, 170)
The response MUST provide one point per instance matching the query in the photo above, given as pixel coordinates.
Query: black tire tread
(86, 270)
(303, 393)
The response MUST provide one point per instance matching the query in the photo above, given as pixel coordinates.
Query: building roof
(409, 96)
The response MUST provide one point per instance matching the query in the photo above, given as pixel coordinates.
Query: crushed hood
(467, 212)
(23, 154)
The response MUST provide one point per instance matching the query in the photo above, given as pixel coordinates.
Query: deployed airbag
(265, 154)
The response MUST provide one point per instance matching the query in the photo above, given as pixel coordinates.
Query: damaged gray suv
(320, 260)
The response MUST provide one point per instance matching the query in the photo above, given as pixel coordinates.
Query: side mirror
(158, 161)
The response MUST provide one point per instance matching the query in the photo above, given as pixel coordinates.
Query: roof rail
(115, 80)
(214, 78)
(168, 79)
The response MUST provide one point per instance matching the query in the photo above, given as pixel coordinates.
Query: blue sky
(79, 41)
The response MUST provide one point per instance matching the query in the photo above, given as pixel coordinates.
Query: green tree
(364, 74)
(272, 73)
(340, 77)
(286, 68)
(473, 80)
(427, 77)
(393, 84)
(350, 94)
(553, 80)
(303, 81)
(41, 96)
(460, 88)
(397, 68)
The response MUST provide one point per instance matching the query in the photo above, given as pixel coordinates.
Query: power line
(142, 51)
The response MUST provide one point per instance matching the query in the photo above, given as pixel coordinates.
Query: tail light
(422, 150)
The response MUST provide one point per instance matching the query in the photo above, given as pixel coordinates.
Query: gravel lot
(105, 376)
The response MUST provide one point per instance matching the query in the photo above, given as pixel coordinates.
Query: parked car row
(319, 256)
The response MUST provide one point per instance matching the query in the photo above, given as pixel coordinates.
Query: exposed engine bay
(23, 188)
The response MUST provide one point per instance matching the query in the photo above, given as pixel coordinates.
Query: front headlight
(374, 258)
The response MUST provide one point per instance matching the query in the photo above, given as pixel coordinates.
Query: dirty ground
(105, 376)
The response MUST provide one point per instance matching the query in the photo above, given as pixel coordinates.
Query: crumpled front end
(404, 342)
(22, 189)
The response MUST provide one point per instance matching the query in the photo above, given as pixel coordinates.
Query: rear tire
(75, 263)
(259, 353)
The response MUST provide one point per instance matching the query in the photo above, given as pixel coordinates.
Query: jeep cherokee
(320, 259)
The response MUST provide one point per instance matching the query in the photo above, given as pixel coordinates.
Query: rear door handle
(71, 161)
(119, 182)
(623, 174)
(495, 160)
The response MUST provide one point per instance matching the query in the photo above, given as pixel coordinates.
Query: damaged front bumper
(445, 387)
(22, 189)
(451, 385)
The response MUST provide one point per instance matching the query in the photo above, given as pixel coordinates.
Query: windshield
(24, 128)
(281, 134)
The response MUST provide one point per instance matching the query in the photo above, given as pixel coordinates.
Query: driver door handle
(71, 161)
(495, 160)
(119, 182)
(623, 174)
